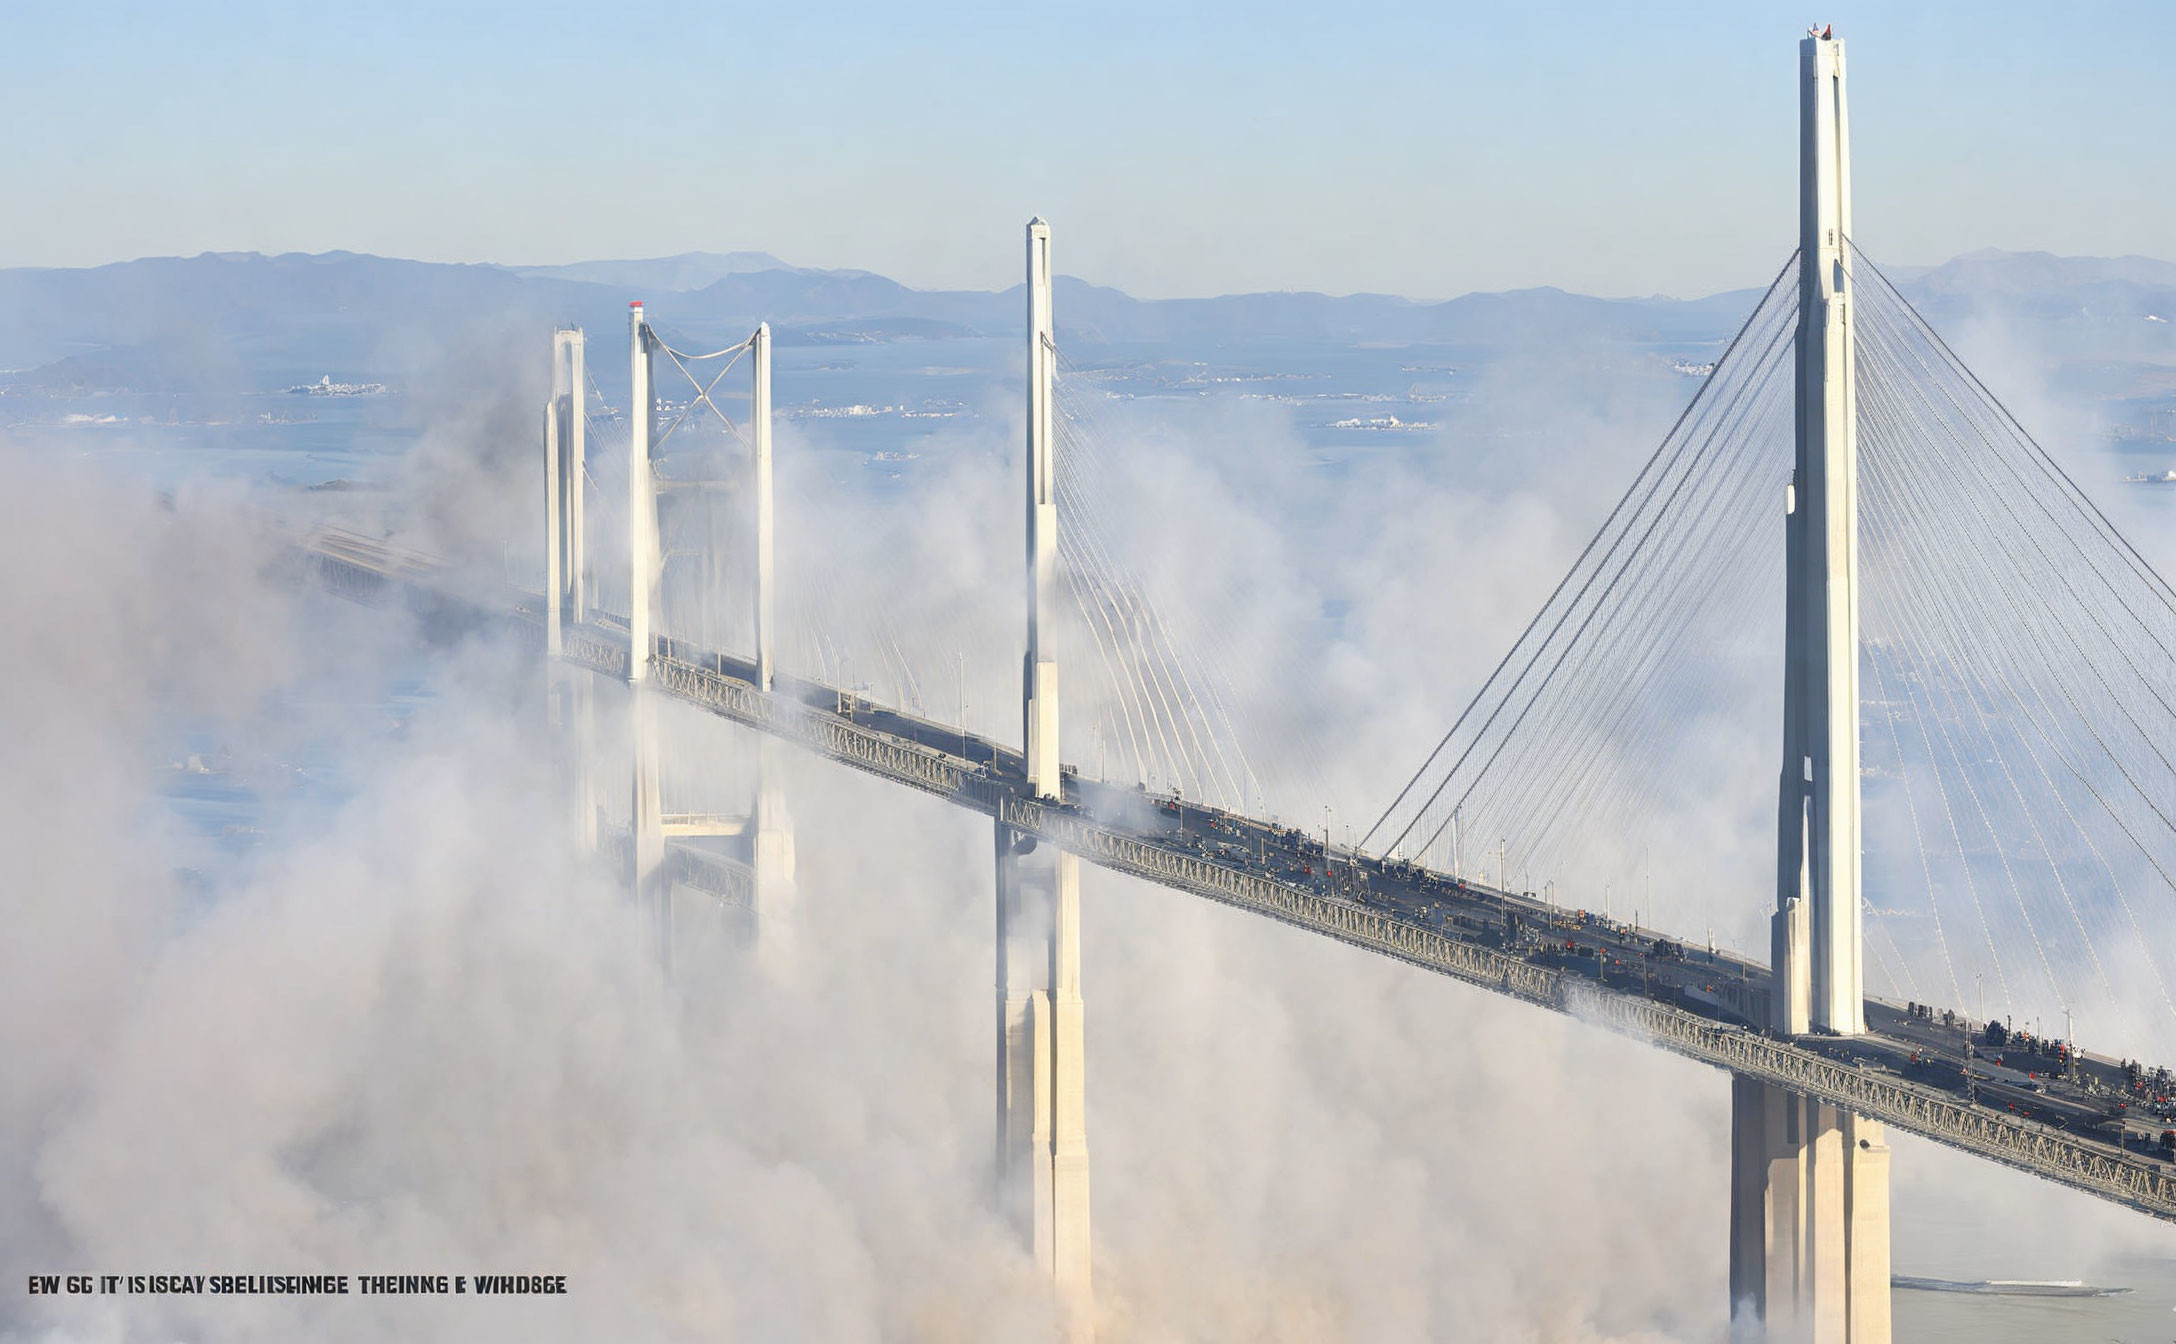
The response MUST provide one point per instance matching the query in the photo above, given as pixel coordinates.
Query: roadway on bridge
(2080, 1120)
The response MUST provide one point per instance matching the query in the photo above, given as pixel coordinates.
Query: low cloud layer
(410, 1030)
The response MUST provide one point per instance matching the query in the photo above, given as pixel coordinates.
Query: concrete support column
(647, 839)
(570, 382)
(771, 857)
(582, 723)
(1866, 1229)
(1809, 1220)
(554, 550)
(1023, 1043)
(571, 692)
(574, 442)
(1042, 1134)
(1069, 1258)
(568, 430)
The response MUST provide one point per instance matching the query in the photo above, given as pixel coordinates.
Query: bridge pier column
(1042, 1136)
(1809, 1220)
(771, 825)
(567, 581)
(646, 841)
(770, 828)
(582, 720)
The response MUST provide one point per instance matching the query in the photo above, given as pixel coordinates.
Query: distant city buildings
(326, 387)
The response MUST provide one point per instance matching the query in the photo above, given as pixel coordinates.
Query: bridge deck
(1909, 1072)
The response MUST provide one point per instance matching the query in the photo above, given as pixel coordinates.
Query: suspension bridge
(1976, 701)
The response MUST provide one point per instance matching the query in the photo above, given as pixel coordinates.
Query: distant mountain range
(239, 317)
(659, 275)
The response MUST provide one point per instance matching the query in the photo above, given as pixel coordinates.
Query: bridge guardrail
(2010, 1140)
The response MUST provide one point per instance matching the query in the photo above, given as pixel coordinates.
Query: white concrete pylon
(1817, 831)
(642, 537)
(772, 856)
(580, 582)
(1068, 1092)
(1040, 682)
(574, 436)
(568, 426)
(1042, 1141)
(572, 703)
(1809, 1184)
(554, 550)
(652, 894)
(759, 416)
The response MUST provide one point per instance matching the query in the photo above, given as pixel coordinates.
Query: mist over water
(304, 973)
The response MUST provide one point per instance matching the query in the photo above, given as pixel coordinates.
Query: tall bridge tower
(1819, 922)
(1809, 1244)
(764, 838)
(1042, 1143)
(770, 826)
(569, 582)
(647, 880)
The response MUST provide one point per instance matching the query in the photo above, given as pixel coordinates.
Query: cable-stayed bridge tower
(1818, 918)
(1809, 1249)
(1042, 1143)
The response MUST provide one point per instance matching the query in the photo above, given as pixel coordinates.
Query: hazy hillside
(160, 318)
(689, 270)
(197, 339)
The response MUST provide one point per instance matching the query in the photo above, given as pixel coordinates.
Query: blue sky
(1423, 149)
